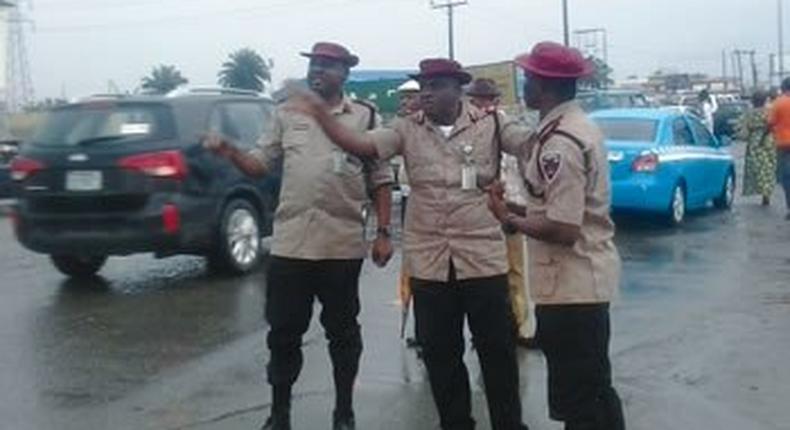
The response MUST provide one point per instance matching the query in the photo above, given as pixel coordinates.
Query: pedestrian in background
(779, 121)
(759, 176)
(454, 247)
(484, 94)
(708, 105)
(319, 244)
(574, 264)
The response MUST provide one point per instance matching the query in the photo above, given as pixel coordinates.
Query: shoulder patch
(550, 165)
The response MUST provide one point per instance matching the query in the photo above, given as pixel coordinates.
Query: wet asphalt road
(701, 340)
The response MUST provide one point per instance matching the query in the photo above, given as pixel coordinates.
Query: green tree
(163, 79)
(246, 69)
(602, 78)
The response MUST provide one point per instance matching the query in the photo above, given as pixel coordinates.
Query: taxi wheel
(76, 266)
(238, 247)
(727, 197)
(677, 206)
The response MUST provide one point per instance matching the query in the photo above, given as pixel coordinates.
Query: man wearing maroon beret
(454, 247)
(574, 265)
(319, 243)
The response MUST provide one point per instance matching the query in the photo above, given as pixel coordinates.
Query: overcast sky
(78, 46)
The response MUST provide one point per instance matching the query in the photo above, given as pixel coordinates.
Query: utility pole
(596, 33)
(780, 30)
(450, 5)
(750, 53)
(18, 82)
(724, 66)
(738, 55)
(565, 23)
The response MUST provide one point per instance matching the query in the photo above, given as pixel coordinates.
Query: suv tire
(238, 247)
(78, 266)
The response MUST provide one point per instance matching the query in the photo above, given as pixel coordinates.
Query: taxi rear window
(627, 129)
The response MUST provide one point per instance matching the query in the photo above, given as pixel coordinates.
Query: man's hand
(382, 250)
(218, 144)
(305, 101)
(496, 201)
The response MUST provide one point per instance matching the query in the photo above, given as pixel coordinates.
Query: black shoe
(277, 423)
(343, 422)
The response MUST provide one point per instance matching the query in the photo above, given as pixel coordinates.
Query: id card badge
(469, 177)
(338, 160)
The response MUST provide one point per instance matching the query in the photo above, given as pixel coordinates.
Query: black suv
(118, 176)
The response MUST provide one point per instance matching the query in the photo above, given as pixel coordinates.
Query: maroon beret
(333, 51)
(552, 60)
(442, 67)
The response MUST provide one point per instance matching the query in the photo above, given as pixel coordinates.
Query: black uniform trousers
(440, 310)
(575, 341)
(292, 287)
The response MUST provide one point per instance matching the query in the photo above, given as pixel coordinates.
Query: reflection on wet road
(701, 335)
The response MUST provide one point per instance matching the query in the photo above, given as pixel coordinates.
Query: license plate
(84, 180)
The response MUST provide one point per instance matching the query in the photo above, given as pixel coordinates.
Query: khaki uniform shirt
(568, 182)
(320, 215)
(444, 222)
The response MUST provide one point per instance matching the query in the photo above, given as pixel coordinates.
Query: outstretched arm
(249, 165)
(308, 103)
(382, 246)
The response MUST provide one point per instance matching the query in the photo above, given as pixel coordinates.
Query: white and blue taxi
(665, 161)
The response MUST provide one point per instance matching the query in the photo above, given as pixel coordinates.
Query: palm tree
(163, 79)
(246, 69)
(602, 78)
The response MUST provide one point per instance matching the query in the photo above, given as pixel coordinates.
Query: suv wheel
(78, 266)
(239, 239)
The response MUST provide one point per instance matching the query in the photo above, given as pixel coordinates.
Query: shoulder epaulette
(366, 103)
(545, 133)
(373, 112)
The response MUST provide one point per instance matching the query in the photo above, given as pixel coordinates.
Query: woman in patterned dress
(760, 171)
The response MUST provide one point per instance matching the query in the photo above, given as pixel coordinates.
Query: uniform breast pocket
(351, 165)
(296, 135)
(546, 274)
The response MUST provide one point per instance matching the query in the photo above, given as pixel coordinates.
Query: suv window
(681, 134)
(118, 123)
(704, 137)
(244, 122)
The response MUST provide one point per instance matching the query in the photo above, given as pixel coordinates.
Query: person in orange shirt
(779, 120)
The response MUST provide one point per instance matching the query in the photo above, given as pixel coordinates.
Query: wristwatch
(510, 225)
(384, 230)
